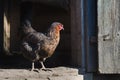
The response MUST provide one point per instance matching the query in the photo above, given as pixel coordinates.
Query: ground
(58, 73)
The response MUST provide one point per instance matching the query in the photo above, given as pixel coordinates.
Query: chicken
(37, 46)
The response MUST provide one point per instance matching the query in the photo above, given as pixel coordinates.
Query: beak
(62, 27)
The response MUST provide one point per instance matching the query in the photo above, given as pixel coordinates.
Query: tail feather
(26, 27)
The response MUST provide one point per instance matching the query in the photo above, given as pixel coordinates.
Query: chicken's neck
(54, 34)
(53, 40)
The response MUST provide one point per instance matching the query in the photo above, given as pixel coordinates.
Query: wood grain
(108, 36)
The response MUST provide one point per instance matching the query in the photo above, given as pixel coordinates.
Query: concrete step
(58, 73)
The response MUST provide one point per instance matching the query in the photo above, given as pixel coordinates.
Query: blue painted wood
(89, 33)
(91, 29)
(83, 36)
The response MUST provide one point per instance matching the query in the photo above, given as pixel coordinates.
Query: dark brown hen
(37, 46)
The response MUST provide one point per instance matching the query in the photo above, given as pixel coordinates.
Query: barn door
(109, 36)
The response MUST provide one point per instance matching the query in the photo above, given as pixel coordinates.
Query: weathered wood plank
(6, 33)
(109, 36)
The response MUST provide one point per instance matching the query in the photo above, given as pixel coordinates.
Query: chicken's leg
(33, 68)
(43, 67)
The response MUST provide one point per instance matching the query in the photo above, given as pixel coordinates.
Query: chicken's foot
(43, 67)
(33, 68)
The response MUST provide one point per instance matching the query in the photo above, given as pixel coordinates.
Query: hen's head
(57, 26)
(55, 29)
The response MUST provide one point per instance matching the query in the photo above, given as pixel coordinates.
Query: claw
(35, 70)
(44, 69)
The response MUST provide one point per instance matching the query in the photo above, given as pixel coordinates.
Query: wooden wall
(109, 36)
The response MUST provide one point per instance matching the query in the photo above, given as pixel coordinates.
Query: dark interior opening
(41, 16)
